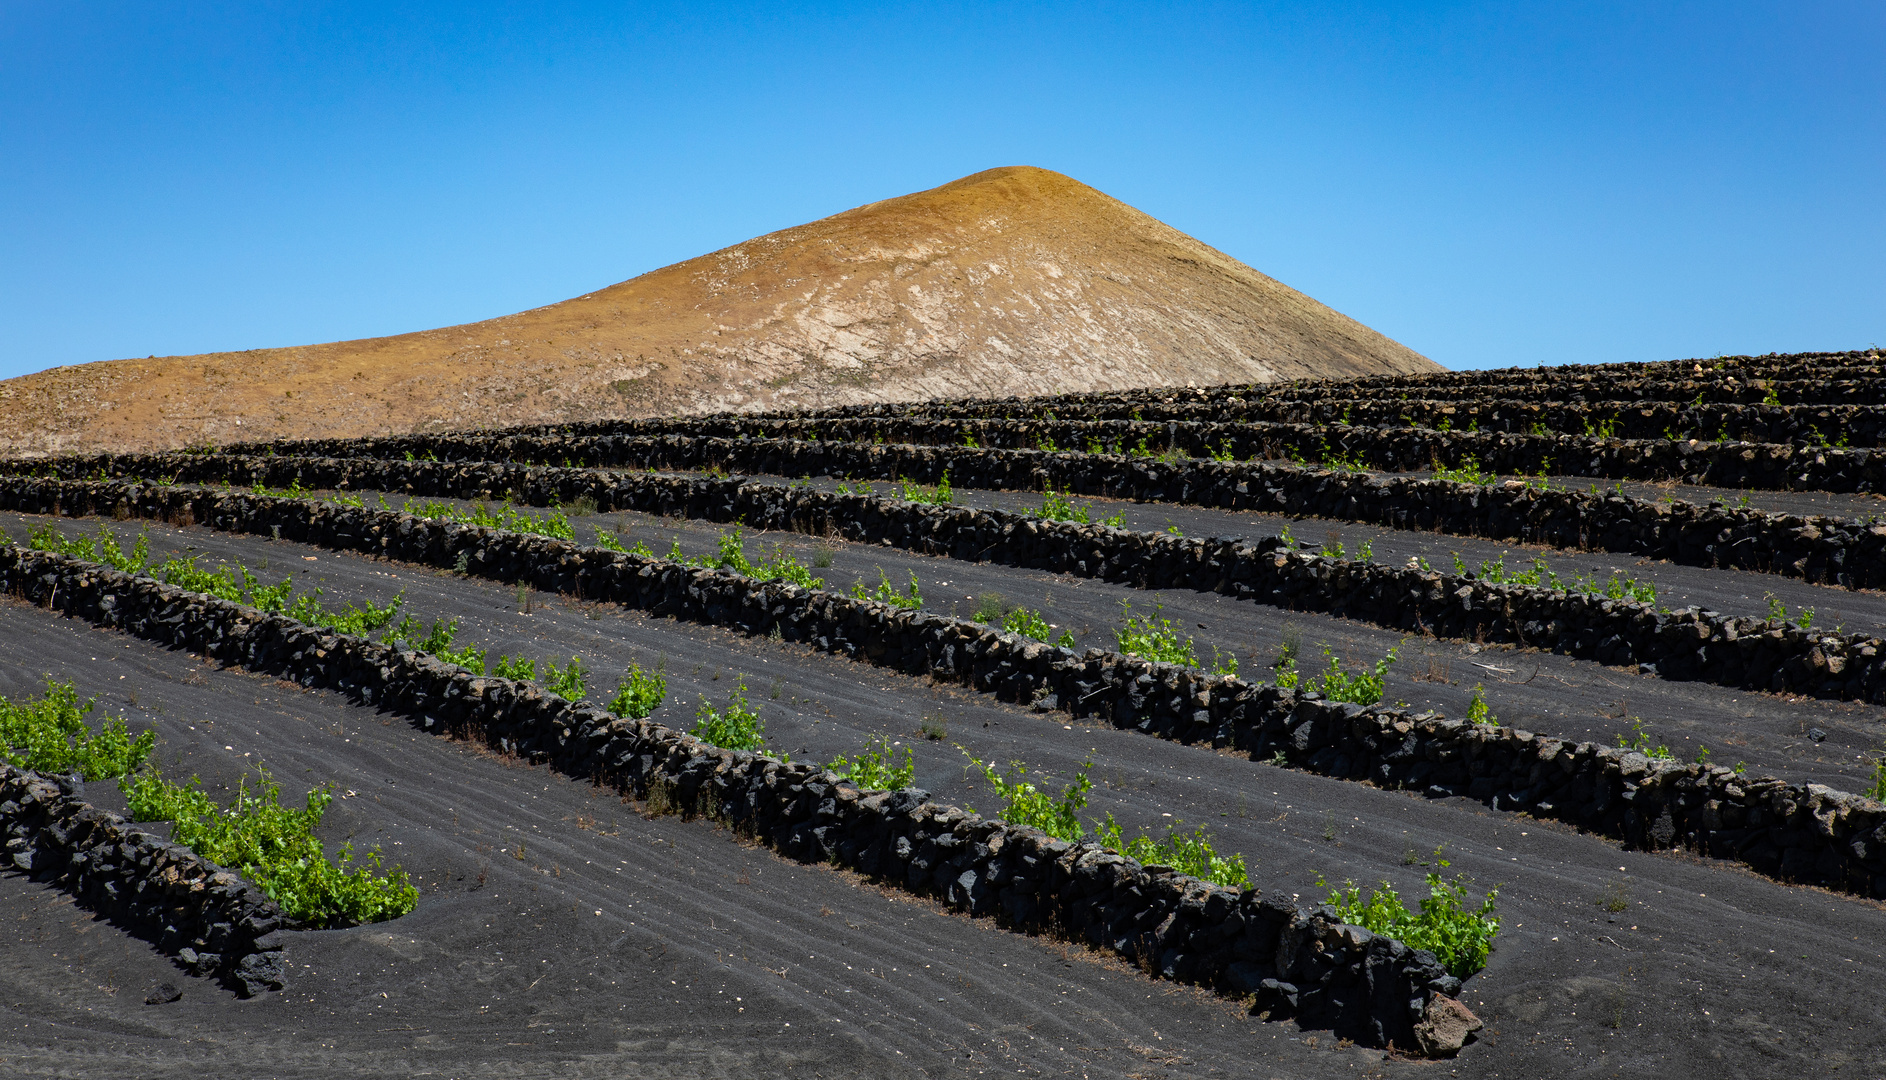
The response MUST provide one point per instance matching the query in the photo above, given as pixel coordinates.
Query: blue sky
(1489, 184)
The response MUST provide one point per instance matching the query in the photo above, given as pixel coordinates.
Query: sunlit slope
(1011, 281)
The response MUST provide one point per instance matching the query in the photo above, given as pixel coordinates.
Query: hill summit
(1010, 281)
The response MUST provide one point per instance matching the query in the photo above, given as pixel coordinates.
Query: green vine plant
(275, 847)
(886, 593)
(1468, 472)
(876, 767)
(940, 495)
(517, 669)
(1639, 740)
(1056, 506)
(1058, 815)
(1153, 638)
(570, 682)
(1189, 853)
(735, 726)
(294, 490)
(1603, 429)
(1542, 576)
(1361, 687)
(1025, 804)
(1778, 612)
(638, 693)
(1031, 624)
(1478, 711)
(609, 541)
(552, 524)
(1460, 936)
(49, 734)
(255, 836)
(730, 554)
(100, 547)
(1341, 461)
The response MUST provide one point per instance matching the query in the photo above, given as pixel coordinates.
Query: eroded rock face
(1014, 280)
(1445, 1027)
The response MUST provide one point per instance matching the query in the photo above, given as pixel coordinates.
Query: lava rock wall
(209, 919)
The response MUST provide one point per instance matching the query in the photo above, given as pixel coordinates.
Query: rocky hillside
(1011, 281)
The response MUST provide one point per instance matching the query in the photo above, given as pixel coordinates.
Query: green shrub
(1458, 936)
(520, 669)
(1287, 674)
(571, 683)
(1362, 687)
(940, 495)
(1469, 472)
(992, 607)
(731, 555)
(638, 693)
(101, 547)
(1494, 571)
(49, 734)
(735, 727)
(887, 594)
(186, 574)
(552, 524)
(1189, 853)
(362, 620)
(1477, 710)
(1150, 637)
(275, 847)
(1025, 804)
(438, 641)
(1031, 624)
(876, 768)
(1056, 506)
(1639, 740)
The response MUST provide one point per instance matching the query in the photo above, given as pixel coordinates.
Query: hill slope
(1014, 280)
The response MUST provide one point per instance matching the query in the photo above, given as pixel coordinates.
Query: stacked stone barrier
(1291, 961)
(1807, 833)
(1736, 465)
(207, 918)
(1813, 426)
(1797, 379)
(1817, 548)
(1689, 644)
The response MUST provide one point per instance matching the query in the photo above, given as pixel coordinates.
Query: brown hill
(1011, 281)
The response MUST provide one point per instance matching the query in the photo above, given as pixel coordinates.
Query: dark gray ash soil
(714, 958)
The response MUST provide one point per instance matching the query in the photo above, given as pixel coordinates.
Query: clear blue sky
(1490, 184)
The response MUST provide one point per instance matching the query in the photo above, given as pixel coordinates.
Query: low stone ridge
(1291, 961)
(1764, 466)
(1817, 548)
(1806, 833)
(1847, 424)
(206, 917)
(1689, 644)
(1796, 379)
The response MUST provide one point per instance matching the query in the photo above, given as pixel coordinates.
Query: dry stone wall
(210, 920)
(1797, 379)
(1690, 644)
(1735, 465)
(1294, 962)
(1806, 833)
(1817, 548)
